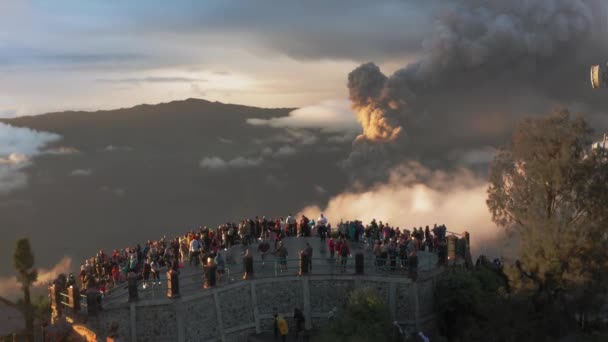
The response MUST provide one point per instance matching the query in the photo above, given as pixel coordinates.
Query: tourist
(219, 261)
(291, 225)
(146, 273)
(308, 251)
(344, 253)
(155, 271)
(412, 259)
(195, 249)
(283, 327)
(263, 249)
(282, 253)
(299, 318)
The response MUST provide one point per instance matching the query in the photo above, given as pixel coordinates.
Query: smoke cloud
(484, 65)
(9, 287)
(416, 196)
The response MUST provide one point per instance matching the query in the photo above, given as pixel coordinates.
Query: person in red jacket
(332, 247)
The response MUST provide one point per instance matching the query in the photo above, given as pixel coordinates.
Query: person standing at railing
(282, 255)
(195, 249)
(146, 273)
(155, 271)
(308, 251)
(221, 266)
(291, 223)
(344, 253)
(331, 246)
(322, 226)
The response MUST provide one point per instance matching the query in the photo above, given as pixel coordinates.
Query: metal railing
(191, 278)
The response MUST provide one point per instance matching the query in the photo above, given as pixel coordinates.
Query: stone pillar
(392, 299)
(133, 321)
(132, 286)
(210, 275)
(55, 302)
(304, 267)
(172, 284)
(93, 298)
(306, 301)
(218, 315)
(412, 266)
(359, 263)
(416, 306)
(74, 298)
(256, 311)
(248, 266)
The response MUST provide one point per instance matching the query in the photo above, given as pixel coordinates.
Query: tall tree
(551, 188)
(23, 261)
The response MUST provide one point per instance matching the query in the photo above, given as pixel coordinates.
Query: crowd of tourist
(393, 248)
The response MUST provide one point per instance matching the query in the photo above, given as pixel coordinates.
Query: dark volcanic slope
(149, 182)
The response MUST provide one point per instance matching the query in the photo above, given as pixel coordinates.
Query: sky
(90, 55)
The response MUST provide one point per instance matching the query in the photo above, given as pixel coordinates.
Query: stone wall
(234, 311)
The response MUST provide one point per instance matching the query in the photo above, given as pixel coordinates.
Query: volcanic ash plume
(477, 51)
(380, 123)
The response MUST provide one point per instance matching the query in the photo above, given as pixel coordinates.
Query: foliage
(23, 261)
(41, 306)
(365, 317)
(551, 188)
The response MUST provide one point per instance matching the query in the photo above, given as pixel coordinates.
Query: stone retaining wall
(234, 311)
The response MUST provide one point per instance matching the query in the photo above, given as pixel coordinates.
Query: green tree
(365, 317)
(23, 261)
(550, 188)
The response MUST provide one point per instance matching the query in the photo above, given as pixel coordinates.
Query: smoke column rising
(501, 44)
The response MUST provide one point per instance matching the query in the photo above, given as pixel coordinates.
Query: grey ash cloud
(483, 66)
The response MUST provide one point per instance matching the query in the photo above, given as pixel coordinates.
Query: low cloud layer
(217, 163)
(17, 147)
(329, 116)
(82, 172)
(267, 153)
(416, 196)
(10, 288)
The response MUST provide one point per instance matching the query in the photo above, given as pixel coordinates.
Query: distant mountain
(123, 176)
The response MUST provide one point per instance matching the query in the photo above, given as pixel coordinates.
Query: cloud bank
(416, 196)
(17, 147)
(329, 116)
(9, 287)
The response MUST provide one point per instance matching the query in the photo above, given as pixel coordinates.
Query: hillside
(123, 176)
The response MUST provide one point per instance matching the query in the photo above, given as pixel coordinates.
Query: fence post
(248, 266)
(210, 274)
(55, 307)
(172, 283)
(132, 286)
(93, 298)
(74, 298)
(304, 267)
(359, 266)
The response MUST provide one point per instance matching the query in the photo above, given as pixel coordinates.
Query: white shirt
(195, 245)
(321, 221)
